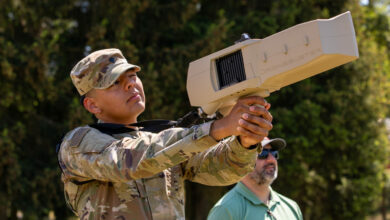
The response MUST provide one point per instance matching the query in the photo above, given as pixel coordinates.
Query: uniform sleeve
(224, 164)
(87, 154)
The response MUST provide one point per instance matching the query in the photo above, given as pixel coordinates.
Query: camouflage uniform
(139, 175)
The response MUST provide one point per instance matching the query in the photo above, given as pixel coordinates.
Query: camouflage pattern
(140, 175)
(99, 70)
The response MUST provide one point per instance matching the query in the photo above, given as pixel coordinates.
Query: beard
(264, 175)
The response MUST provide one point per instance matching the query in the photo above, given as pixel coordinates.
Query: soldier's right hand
(249, 119)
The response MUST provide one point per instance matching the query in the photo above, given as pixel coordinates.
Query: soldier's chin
(139, 108)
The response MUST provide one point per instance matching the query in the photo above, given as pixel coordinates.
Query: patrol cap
(99, 70)
(276, 143)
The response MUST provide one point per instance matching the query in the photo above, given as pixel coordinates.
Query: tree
(331, 122)
(34, 93)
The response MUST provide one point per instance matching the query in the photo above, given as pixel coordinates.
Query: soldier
(134, 174)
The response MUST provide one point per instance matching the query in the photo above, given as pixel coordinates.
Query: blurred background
(336, 124)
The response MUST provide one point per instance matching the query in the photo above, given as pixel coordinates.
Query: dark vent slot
(230, 69)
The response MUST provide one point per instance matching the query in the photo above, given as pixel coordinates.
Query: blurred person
(253, 198)
(115, 169)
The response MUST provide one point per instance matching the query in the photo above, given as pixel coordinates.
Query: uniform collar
(249, 195)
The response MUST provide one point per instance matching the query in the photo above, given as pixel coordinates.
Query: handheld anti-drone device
(262, 66)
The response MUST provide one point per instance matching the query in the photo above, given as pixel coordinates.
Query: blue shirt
(240, 203)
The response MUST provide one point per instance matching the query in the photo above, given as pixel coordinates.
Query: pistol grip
(227, 108)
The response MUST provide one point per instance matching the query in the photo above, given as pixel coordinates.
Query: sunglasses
(265, 152)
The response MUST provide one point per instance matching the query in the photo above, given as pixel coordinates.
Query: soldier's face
(266, 170)
(123, 102)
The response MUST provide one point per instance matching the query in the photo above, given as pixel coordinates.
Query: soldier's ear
(90, 104)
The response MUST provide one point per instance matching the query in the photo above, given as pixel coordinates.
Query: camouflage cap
(99, 70)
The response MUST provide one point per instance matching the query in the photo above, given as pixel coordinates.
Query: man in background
(253, 197)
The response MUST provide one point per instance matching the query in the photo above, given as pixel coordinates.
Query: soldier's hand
(249, 119)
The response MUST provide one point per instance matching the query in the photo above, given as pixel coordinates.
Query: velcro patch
(78, 136)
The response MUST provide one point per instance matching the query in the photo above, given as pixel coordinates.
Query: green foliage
(337, 141)
(333, 123)
(32, 106)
